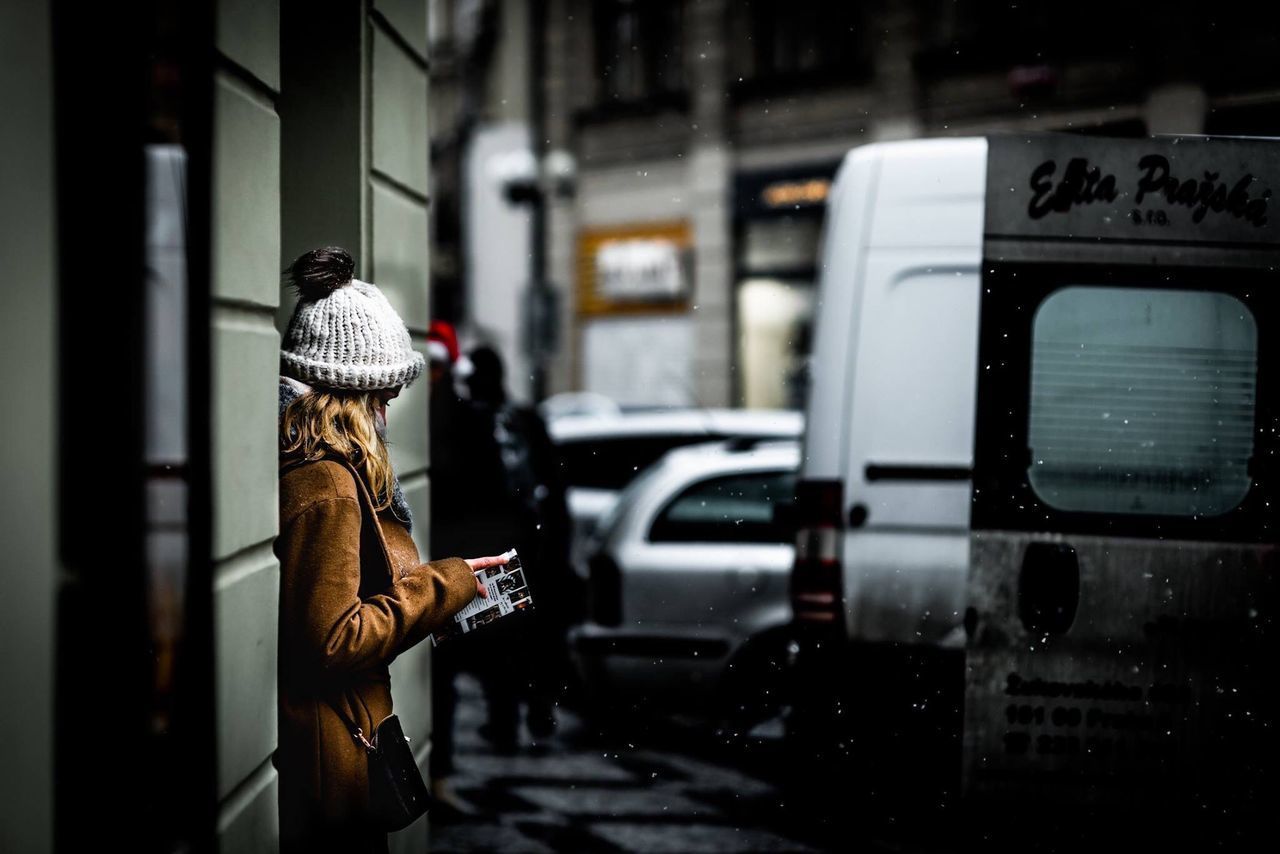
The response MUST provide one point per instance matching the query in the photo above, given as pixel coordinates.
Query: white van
(883, 497)
(1043, 428)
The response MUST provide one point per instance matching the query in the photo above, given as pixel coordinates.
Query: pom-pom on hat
(343, 333)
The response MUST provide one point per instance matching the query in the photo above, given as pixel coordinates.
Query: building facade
(320, 138)
(176, 158)
(713, 128)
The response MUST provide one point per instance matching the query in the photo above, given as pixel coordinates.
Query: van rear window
(1142, 401)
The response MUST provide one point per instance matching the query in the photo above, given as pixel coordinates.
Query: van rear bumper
(855, 696)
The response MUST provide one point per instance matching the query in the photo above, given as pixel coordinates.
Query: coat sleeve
(324, 616)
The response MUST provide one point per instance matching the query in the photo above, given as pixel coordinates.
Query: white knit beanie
(344, 334)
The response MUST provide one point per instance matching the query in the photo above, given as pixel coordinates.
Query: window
(733, 509)
(799, 40)
(774, 318)
(639, 48)
(1142, 401)
(966, 36)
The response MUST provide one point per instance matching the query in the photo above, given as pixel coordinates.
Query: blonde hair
(320, 424)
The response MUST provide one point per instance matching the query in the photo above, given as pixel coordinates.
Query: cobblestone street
(577, 793)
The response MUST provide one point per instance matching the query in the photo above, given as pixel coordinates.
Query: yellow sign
(630, 269)
(785, 194)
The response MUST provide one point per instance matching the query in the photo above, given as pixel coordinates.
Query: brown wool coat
(353, 596)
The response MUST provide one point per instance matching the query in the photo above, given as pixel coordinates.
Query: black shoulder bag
(398, 795)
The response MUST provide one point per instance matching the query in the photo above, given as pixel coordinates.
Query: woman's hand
(479, 563)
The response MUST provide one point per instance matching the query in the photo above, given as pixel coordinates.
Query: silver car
(689, 606)
(603, 451)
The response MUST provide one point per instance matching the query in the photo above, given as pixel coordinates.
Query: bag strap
(356, 732)
(369, 520)
(369, 516)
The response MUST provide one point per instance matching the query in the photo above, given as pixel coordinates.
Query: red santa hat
(442, 347)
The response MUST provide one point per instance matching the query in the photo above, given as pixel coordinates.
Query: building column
(356, 158)
(561, 221)
(710, 165)
(28, 325)
(897, 114)
(245, 292)
(399, 264)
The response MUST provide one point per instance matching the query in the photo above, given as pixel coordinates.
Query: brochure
(508, 593)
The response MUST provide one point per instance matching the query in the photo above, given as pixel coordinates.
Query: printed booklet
(508, 593)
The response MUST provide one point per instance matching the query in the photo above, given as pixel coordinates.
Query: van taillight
(605, 605)
(817, 579)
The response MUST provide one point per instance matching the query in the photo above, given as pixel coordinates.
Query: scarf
(291, 390)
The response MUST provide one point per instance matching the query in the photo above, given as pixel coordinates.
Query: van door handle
(1048, 588)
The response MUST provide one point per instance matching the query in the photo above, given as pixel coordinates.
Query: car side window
(733, 509)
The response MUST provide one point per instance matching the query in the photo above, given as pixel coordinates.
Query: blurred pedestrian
(529, 511)
(450, 484)
(354, 593)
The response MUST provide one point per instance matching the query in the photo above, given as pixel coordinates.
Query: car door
(712, 565)
(598, 468)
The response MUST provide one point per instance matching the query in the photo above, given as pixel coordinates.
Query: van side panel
(927, 193)
(908, 431)
(910, 448)
(910, 437)
(1122, 598)
(844, 242)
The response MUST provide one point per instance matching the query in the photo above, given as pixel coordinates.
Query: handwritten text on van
(1083, 184)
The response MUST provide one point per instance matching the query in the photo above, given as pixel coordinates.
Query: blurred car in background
(688, 607)
(577, 403)
(604, 451)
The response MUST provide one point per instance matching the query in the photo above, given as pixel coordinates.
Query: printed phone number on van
(1091, 747)
(1020, 743)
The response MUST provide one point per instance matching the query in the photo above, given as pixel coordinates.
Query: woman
(353, 591)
